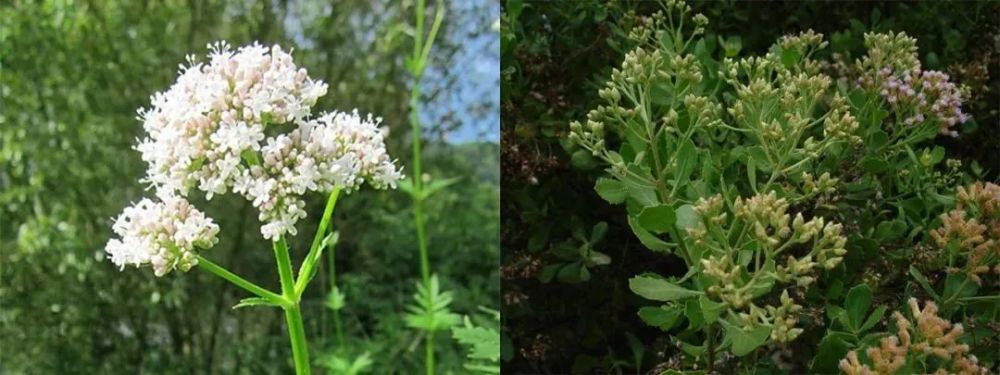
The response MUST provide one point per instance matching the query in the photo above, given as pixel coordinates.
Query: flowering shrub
(750, 169)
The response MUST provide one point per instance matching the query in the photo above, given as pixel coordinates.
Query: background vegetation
(555, 56)
(73, 73)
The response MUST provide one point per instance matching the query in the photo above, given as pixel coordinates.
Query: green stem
(309, 265)
(241, 282)
(297, 334)
(429, 360)
(293, 314)
(284, 268)
(421, 50)
(711, 348)
(418, 211)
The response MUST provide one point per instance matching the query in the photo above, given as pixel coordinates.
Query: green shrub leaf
(659, 289)
(659, 219)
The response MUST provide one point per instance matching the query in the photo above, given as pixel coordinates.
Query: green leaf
(331, 241)
(923, 283)
(659, 218)
(731, 45)
(598, 232)
(958, 286)
(483, 343)
(692, 311)
(611, 190)
(406, 186)
(839, 315)
(744, 342)
(570, 274)
(693, 350)
(878, 139)
(832, 348)
(790, 57)
(430, 310)
(659, 289)
(648, 239)
(711, 310)
(687, 158)
(583, 159)
(687, 217)
(874, 165)
(338, 365)
(835, 289)
(336, 299)
(639, 190)
(877, 116)
(937, 155)
(890, 230)
(759, 157)
(662, 317)
(549, 272)
(597, 258)
(874, 318)
(438, 184)
(859, 298)
(253, 302)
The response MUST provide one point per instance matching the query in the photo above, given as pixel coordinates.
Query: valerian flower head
(208, 131)
(972, 230)
(825, 185)
(785, 319)
(924, 96)
(336, 150)
(803, 42)
(163, 234)
(931, 336)
(840, 124)
(985, 197)
(767, 215)
(893, 51)
(198, 129)
(700, 22)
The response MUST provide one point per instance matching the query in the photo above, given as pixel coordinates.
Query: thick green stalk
(293, 314)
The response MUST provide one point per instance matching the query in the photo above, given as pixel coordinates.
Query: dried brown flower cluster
(932, 336)
(974, 227)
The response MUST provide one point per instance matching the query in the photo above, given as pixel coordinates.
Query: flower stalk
(223, 273)
(417, 62)
(293, 315)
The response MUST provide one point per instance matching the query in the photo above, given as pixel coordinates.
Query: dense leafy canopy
(566, 316)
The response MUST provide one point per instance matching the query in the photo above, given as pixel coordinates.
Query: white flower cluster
(336, 150)
(199, 129)
(208, 131)
(214, 130)
(162, 234)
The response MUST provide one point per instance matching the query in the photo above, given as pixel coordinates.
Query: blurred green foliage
(554, 58)
(73, 73)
